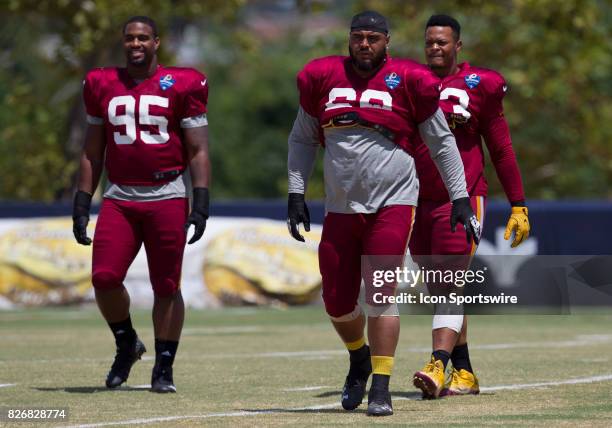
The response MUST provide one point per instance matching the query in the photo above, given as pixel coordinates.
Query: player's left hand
(519, 224)
(80, 217)
(199, 213)
(297, 212)
(462, 212)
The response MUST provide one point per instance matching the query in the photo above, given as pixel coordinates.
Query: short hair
(445, 21)
(143, 20)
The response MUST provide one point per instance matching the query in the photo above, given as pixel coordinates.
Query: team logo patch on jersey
(166, 82)
(392, 80)
(472, 80)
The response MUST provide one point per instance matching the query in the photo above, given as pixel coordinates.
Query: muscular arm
(443, 150)
(196, 141)
(497, 138)
(92, 159)
(303, 144)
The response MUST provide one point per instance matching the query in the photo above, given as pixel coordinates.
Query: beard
(138, 61)
(370, 64)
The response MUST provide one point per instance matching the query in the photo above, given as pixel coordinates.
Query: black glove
(199, 213)
(462, 213)
(297, 212)
(80, 217)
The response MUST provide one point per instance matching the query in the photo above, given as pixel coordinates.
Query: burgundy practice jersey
(471, 100)
(143, 120)
(398, 97)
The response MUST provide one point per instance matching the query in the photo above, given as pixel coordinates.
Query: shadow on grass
(409, 395)
(412, 395)
(92, 389)
(300, 411)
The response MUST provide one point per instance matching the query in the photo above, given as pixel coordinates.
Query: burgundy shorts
(123, 226)
(345, 238)
(432, 233)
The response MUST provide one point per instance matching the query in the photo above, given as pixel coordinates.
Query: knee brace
(390, 310)
(454, 322)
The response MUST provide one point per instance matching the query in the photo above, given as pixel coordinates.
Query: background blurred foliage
(555, 55)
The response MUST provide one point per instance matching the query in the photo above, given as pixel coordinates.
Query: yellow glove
(519, 223)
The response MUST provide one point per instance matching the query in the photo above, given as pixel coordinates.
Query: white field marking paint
(6, 385)
(300, 353)
(578, 341)
(330, 405)
(306, 388)
(204, 416)
(576, 381)
(221, 330)
(322, 357)
(593, 360)
(25, 316)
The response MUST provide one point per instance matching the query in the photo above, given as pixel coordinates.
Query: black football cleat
(355, 383)
(124, 360)
(161, 380)
(379, 402)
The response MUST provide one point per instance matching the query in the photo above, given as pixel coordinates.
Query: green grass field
(267, 367)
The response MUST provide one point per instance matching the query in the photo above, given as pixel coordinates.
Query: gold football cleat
(430, 379)
(461, 382)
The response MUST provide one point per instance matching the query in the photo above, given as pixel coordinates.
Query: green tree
(47, 47)
(556, 57)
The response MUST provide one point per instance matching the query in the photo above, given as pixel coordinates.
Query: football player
(147, 126)
(367, 109)
(471, 99)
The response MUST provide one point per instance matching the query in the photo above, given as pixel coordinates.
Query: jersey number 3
(128, 119)
(461, 96)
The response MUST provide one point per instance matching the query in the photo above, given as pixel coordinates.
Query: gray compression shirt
(364, 171)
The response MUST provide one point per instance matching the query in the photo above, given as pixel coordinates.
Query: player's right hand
(297, 212)
(80, 217)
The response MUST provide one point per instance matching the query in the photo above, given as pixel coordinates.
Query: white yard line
(205, 416)
(221, 330)
(330, 405)
(6, 385)
(306, 388)
(576, 381)
(576, 342)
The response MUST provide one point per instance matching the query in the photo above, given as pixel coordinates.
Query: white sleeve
(443, 150)
(303, 144)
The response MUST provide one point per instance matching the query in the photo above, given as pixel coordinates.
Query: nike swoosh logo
(203, 82)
